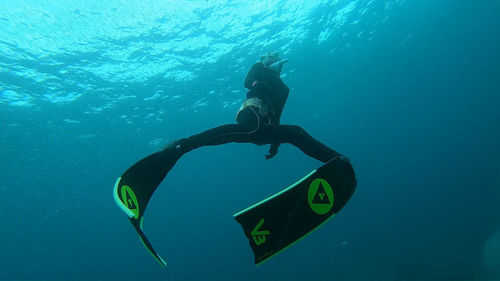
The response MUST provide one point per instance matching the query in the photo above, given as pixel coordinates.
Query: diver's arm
(251, 79)
(273, 150)
(280, 104)
(278, 110)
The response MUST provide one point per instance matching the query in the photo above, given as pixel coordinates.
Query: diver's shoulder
(258, 65)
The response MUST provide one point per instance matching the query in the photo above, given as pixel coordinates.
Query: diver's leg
(248, 125)
(298, 137)
(215, 136)
(168, 156)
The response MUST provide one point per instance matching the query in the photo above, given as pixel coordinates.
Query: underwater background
(408, 90)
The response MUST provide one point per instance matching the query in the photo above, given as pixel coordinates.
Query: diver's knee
(294, 135)
(297, 130)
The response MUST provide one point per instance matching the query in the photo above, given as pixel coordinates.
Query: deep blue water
(408, 90)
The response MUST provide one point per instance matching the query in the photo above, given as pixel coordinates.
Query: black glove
(273, 150)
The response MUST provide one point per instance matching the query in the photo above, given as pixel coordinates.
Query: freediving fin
(135, 187)
(283, 219)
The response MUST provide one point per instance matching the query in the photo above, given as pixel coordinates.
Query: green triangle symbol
(321, 197)
(130, 203)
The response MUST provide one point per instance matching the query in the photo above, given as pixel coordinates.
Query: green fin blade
(147, 244)
(135, 187)
(285, 218)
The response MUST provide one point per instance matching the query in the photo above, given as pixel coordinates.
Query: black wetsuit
(266, 85)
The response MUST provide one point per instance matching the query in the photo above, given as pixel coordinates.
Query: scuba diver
(258, 119)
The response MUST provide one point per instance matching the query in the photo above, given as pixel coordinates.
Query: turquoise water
(408, 90)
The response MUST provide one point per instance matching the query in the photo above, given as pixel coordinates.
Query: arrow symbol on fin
(259, 236)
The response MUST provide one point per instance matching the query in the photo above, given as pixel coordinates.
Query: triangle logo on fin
(321, 197)
(130, 202)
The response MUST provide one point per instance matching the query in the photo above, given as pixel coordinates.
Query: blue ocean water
(408, 90)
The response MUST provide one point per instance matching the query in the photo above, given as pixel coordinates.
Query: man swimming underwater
(258, 122)
(258, 119)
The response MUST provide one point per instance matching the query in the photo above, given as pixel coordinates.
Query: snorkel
(273, 61)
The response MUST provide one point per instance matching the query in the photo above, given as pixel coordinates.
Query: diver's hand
(273, 150)
(269, 156)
